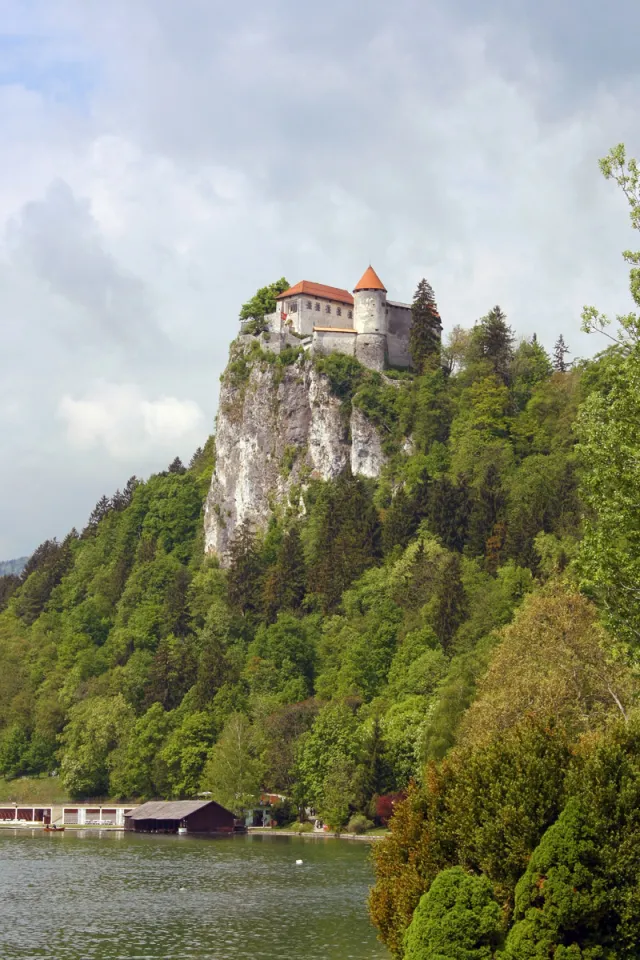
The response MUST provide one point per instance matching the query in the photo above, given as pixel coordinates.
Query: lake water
(115, 896)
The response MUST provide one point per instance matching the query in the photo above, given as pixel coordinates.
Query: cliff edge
(278, 426)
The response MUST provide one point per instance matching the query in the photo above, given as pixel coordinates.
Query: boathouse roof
(168, 810)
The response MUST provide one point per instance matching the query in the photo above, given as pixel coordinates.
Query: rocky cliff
(278, 426)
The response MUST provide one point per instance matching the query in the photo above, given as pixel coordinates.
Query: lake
(117, 896)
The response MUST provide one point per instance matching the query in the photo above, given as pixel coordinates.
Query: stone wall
(371, 350)
(325, 342)
(399, 326)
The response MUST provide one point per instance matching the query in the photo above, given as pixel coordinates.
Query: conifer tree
(177, 466)
(426, 327)
(492, 340)
(400, 522)
(560, 350)
(285, 583)
(246, 572)
(346, 539)
(451, 602)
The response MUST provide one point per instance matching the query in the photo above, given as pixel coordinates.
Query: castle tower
(370, 320)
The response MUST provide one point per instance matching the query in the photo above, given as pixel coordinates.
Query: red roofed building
(330, 319)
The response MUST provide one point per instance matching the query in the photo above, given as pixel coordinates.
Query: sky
(159, 161)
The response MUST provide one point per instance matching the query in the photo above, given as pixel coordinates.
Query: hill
(448, 634)
(15, 567)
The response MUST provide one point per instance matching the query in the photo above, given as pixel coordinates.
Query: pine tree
(196, 456)
(244, 582)
(346, 539)
(494, 339)
(426, 329)
(400, 522)
(451, 601)
(285, 584)
(177, 466)
(559, 352)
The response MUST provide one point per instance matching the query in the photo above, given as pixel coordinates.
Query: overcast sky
(160, 160)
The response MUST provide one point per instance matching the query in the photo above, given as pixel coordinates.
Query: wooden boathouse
(191, 816)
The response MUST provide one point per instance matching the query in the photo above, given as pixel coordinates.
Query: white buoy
(298, 863)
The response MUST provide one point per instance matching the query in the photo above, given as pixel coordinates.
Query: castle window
(350, 314)
(339, 311)
(293, 308)
(308, 304)
(317, 305)
(327, 308)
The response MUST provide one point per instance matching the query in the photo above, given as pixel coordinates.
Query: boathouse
(196, 816)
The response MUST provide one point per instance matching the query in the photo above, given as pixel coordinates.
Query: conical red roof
(369, 281)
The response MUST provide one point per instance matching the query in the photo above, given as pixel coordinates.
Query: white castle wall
(369, 314)
(310, 312)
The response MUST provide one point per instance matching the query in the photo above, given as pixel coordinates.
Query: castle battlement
(329, 319)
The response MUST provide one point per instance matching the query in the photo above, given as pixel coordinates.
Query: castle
(326, 319)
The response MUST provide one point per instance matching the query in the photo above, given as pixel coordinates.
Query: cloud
(120, 419)
(61, 239)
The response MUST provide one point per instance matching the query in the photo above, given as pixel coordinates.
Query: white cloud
(120, 419)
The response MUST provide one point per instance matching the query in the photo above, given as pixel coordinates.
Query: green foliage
(458, 919)
(263, 302)
(424, 337)
(233, 771)
(578, 895)
(96, 728)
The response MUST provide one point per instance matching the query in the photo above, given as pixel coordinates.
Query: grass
(33, 790)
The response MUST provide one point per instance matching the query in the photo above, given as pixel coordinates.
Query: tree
(579, 894)
(177, 466)
(344, 537)
(263, 301)
(556, 639)
(96, 727)
(285, 582)
(450, 601)
(530, 366)
(245, 571)
(492, 342)
(233, 772)
(609, 444)
(458, 919)
(484, 810)
(136, 767)
(9, 583)
(426, 328)
(560, 350)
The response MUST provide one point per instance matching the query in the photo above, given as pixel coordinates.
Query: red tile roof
(319, 290)
(369, 281)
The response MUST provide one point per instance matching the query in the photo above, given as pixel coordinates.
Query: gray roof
(169, 810)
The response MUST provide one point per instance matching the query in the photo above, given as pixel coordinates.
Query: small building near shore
(196, 816)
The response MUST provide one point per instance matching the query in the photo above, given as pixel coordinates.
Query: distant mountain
(12, 566)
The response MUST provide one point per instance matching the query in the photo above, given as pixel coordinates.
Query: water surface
(115, 896)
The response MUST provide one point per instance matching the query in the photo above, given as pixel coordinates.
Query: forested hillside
(463, 629)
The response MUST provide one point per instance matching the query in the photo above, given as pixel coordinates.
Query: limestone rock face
(277, 428)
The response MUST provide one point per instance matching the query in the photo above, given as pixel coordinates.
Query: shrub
(359, 824)
(298, 827)
(458, 918)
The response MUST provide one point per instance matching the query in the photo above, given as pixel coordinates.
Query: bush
(359, 824)
(305, 827)
(459, 917)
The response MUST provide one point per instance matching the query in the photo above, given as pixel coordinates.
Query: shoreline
(270, 832)
(251, 831)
